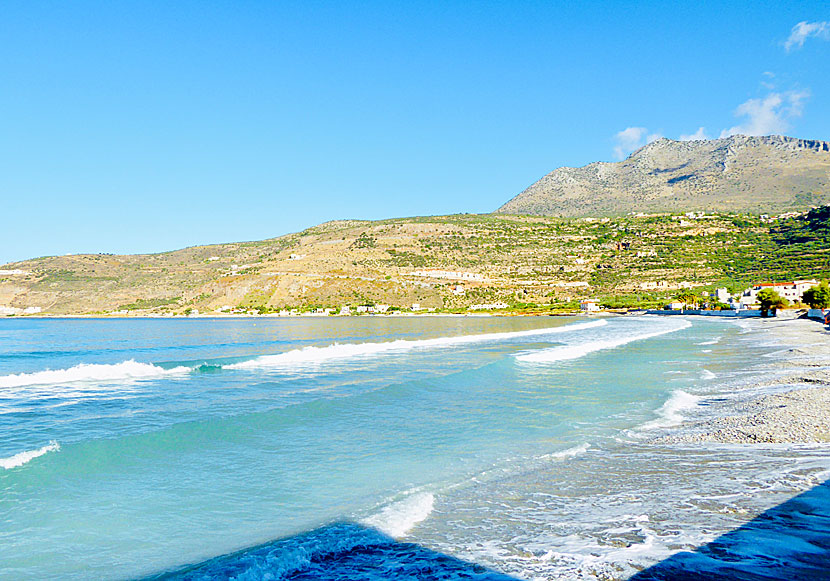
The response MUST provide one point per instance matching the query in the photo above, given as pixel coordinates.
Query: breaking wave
(131, 369)
(90, 372)
(400, 517)
(575, 351)
(24, 457)
(568, 453)
(315, 355)
(670, 412)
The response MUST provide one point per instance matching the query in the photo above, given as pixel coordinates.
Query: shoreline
(310, 316)
(795, 411)
(784, 315)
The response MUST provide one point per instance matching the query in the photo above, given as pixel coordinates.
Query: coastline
(791, 407)
(598, 506)
(315, 315)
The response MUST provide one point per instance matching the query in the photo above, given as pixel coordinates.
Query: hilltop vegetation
(528, 262)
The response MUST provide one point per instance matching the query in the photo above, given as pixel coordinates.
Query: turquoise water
(134, 447)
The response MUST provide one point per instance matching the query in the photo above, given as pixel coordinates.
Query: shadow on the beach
(341, 551)
(790, 541)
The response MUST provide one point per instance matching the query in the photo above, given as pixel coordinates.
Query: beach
(798, 410)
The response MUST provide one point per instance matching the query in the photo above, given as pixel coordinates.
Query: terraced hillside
(444, 262)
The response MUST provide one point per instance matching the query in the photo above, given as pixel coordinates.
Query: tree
(770, 301)
(818, 296)
(688, 298)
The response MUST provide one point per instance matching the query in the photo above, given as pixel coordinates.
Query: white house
(792, 291)
(489, 306)
(589, 306)
(723, 295)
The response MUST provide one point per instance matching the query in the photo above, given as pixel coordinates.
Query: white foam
(706, 374)
(89, 372)
(24, 457)
(670, 412)
(712, 342)
(316, 355)
(575, 351)
(400, 517)
(569, 453)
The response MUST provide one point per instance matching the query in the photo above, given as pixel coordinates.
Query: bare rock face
(739, 173)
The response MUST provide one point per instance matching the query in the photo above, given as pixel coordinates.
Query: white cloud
(631, 139)
(698, 135)
(769, 115)
(804, 30)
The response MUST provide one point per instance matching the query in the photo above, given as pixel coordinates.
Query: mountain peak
(736, 173)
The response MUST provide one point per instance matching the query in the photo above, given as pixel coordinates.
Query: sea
(380, 447)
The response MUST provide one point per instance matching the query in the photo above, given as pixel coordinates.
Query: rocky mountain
(748, 174)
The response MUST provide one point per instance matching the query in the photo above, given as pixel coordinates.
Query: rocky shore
(797, 415)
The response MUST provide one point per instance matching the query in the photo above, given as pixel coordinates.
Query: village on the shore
(759, 300)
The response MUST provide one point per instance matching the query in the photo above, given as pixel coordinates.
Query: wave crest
(316, 355)
(24, 457)
(670, 412)
(400, 517)
(130, 369)
(575, 351)
(568, 453)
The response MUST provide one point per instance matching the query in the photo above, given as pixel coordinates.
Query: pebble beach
(798, 411)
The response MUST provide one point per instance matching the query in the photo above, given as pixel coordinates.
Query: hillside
(526, 261)
(740, 174)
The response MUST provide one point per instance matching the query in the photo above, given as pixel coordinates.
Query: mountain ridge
(738, 173)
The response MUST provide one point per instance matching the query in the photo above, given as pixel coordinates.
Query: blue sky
(149, 126)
